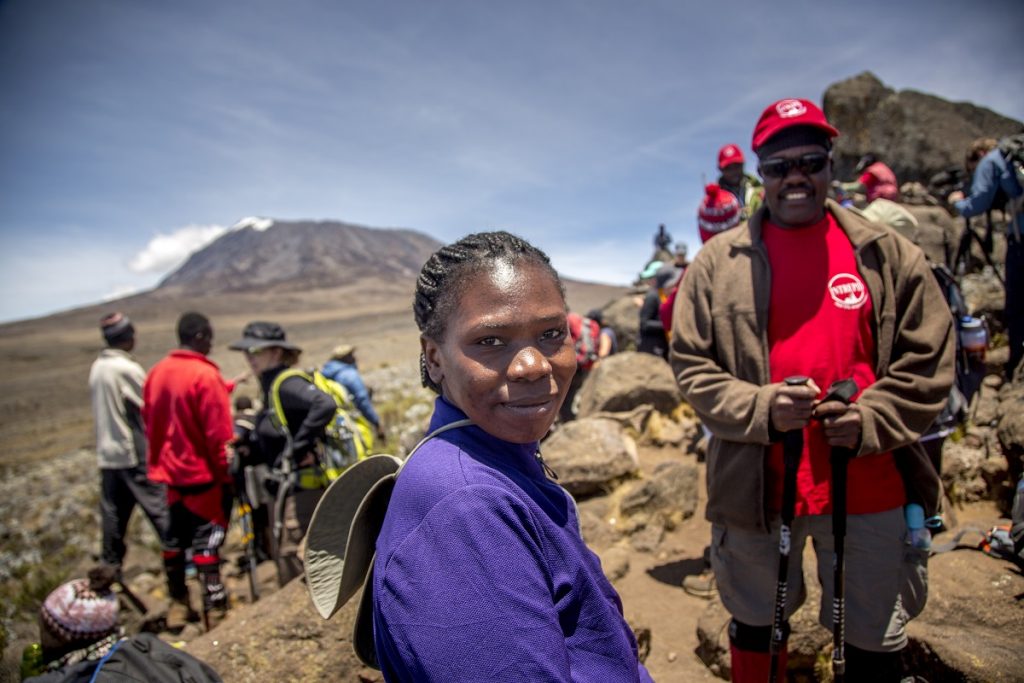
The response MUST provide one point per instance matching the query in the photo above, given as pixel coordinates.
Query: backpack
(968, 374)
(1012, 149)
(348, 437)
(144, 658)
(586, 334)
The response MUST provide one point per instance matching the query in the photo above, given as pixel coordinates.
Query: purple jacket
(481, 573)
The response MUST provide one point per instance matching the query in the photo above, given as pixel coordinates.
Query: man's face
(796, 198)
(732, 174)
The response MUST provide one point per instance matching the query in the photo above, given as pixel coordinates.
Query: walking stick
(843, 390)
(249, 543)
(792, 448)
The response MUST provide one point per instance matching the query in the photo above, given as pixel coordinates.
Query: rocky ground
(646, 523)
(632, 461)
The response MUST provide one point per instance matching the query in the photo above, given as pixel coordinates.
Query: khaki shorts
(886, 579)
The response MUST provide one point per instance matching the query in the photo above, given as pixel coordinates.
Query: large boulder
(971, 628)
(627, 380)
(591, 455)
(916, 134)
(623, 316)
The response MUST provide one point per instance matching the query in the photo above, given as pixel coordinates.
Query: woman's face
(506, 358)
(263, 359)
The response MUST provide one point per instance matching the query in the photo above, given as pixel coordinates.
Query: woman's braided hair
(443, 277)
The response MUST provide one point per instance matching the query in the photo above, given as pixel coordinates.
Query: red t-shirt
(820, 326)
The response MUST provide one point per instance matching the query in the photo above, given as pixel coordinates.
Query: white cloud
(166, 252)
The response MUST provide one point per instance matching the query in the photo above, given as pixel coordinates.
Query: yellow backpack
(348, 438)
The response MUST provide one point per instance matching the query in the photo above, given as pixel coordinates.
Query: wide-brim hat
(342, 351)
(262, 335)
(341, 542)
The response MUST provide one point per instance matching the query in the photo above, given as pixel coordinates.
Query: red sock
(753, 667)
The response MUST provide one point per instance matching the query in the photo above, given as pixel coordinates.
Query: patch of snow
(254, 222)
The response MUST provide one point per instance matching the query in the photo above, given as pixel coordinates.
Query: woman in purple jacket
(481, 573)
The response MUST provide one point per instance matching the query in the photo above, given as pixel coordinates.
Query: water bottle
(918, 534)
(973, 337)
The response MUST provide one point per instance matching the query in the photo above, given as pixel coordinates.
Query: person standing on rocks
(187, 413)
(992, 177)
(813, 293)
(480, 572)
(115, 386)
(747, 189)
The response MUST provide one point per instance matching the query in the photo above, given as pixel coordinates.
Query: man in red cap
(745, 187)
(810, 292)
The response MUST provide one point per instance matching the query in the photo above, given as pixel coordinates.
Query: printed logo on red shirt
(847, 291)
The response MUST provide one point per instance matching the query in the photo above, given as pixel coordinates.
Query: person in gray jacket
(115, 385)
(768, 315)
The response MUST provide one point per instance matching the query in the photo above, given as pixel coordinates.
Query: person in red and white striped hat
(718, 211)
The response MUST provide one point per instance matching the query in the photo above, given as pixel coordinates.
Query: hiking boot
(700, 585)
(179, 614)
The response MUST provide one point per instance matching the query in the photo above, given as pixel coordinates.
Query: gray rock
(671, 491)
(623, 316)
(615, 563)
(971, 627)
(590, 455)
(984, 295)
(916, 134)
(936, 233)
(626, 380)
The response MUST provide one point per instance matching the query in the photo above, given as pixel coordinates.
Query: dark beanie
(116, 328)
(794, 136)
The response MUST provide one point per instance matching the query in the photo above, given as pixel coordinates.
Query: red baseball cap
(730, 154)
(786, 114)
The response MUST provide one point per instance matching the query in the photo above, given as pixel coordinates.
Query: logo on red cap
(787, 113)
(789, 108)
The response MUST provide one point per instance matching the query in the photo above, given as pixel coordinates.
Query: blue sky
(132, 131)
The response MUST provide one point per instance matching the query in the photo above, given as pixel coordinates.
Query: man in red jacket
(188, 425)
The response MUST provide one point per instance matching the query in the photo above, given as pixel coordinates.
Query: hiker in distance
(811, 292)
(289, 444)
(115, 386)
(480, 569)
(187, 413)
(745, 188)
(342, 369)
(993, 181)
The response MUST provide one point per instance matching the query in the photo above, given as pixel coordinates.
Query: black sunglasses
(808, 164)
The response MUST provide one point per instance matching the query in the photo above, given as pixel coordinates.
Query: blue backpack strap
(103, 660)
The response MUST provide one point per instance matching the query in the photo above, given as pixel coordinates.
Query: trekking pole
(843, 391)
(129, 595)
(249, 543)
(792, 448)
